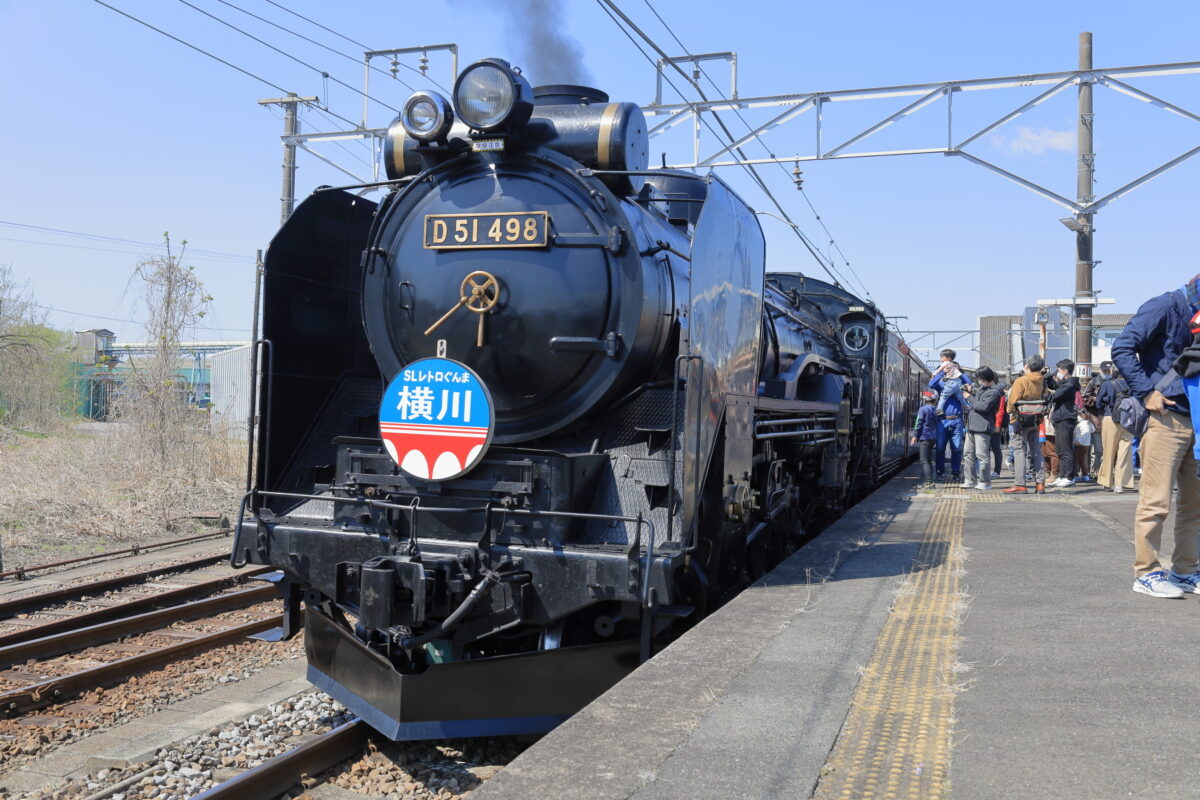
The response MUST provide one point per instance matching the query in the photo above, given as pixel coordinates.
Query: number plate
(457, 231)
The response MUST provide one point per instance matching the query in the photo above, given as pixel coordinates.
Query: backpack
(1122, 390)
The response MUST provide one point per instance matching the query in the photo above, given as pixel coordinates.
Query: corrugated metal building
(230, 389)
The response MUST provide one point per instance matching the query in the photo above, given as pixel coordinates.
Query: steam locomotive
(539, 409)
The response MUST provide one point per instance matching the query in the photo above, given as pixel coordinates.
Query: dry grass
(74, 492)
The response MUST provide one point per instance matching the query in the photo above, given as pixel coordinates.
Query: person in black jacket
(981, 422)
(1063, 415)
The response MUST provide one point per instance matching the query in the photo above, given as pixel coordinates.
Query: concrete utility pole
(291, 127)
(1085, 189)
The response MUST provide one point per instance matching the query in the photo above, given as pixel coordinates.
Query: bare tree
(156, 393)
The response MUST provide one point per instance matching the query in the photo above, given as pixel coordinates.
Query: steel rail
(31, 602)
(128, 608)
(278, 775)
(56, 689)
(21, 572)
(70, 641)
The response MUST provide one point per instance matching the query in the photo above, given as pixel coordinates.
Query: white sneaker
(1156, 584)
(965, 485)
(983, 486)
(1119, 490)
(1187, 583)
(1063, 483)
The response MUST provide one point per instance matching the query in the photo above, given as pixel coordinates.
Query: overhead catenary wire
(194, 252)
(229, 64)
(352, 41)
(750, 129)
(826, 264)
(606, 5)
(105, 249)
(123, 319)
(319, 71)
(347, 150)
(610, 8)
(315, 42)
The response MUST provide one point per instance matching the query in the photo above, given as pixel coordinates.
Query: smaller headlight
(427, 116)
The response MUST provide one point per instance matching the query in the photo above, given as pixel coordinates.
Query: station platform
(944, 643)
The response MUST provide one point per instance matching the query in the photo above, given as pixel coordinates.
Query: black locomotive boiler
(668, 417)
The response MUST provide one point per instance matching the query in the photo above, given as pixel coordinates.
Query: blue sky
(115, 130)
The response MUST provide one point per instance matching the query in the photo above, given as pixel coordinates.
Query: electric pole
(291, 127)
(1085, 189)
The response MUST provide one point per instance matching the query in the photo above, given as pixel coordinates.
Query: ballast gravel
(397, 771)
(27, 738)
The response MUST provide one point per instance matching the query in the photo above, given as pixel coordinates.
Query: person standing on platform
(924, 433)
(1063, 415)
(1000, 431)
(1084, 431)
(1091, 406)
(982, 422)
(1144, 353)
(950, 424)
(968, 448)
(1027, 453)
(1116, 463)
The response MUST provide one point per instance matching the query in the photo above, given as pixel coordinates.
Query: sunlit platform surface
(933, 643)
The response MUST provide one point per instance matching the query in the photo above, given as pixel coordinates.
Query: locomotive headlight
(490, 95)
(427, 116)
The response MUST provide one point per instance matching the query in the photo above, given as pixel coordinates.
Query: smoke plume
(542, 47)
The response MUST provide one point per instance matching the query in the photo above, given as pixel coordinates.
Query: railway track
(295, 767)
(43, 600)
(42, 693)
(21, 573)
(51, 661)
(50, 680)
(52, 643)
(45, 677)
(109, 611)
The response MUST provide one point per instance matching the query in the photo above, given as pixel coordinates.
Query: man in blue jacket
(950, 424)
(1144, 353)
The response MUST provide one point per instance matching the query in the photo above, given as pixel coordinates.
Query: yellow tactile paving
(895, 744)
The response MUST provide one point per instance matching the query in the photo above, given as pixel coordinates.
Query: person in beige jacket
(1027, 451)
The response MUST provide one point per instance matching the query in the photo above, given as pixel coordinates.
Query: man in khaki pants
(1144, 353)
(1117, 441)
